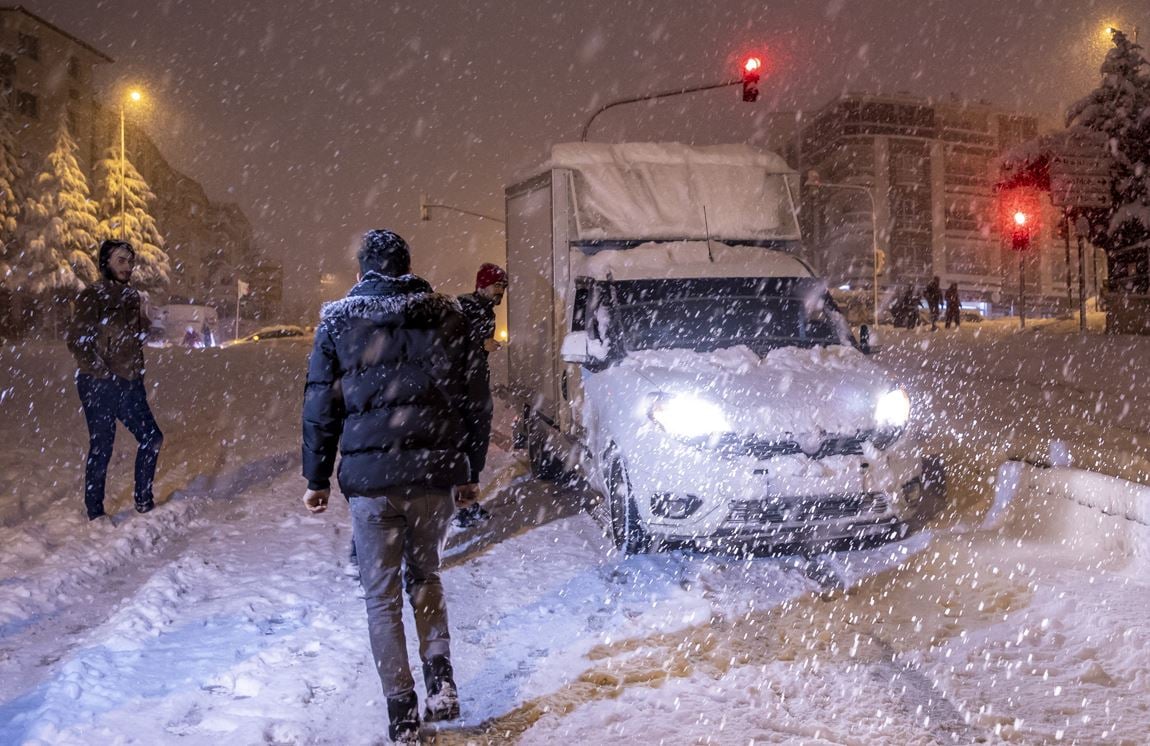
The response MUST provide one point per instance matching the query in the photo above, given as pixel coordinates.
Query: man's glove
(465, 494)
(316, 500)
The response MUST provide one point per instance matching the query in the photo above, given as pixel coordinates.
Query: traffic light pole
(1022, 289)
(425, 211)
(652, 97)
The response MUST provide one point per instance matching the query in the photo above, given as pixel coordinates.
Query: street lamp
(1111, 28)
(813, 179)
(135, 97)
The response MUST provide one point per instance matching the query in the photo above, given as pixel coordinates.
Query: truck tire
(626, 527)
(543, 465)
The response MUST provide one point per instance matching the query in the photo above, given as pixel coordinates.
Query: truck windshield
(711, 314)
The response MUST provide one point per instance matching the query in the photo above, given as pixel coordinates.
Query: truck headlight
(688, 417)
(892, 409)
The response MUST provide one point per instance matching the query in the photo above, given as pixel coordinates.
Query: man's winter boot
(403, 716)
(442, 696)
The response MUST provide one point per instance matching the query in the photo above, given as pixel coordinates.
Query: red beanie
(489, 274)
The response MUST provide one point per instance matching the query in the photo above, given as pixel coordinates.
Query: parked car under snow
(277, 333)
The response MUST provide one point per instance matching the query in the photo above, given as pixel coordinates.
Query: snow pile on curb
(1092, 516)
(230, 419)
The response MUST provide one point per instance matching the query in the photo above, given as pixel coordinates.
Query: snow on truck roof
(671, 191)
(576, 155)
(687, 259)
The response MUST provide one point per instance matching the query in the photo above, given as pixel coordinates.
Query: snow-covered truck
(667, 341)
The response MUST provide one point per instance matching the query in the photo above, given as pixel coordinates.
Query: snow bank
(1092, 517)
(1086, 390)
(230, 419)
(661, 190)
(216, 408)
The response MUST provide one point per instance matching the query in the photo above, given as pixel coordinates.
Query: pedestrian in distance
(393, 386)
(106, 337)
(933, 296)
(192, 338)
(479, 308)
(953, 306)
(904, 310)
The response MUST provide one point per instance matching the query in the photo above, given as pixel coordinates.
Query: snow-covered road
(224, 616)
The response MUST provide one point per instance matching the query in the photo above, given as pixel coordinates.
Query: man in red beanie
(479, 308)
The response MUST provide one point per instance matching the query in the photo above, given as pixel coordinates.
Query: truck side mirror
(574, 349)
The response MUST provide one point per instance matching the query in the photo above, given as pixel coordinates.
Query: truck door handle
(563, 384)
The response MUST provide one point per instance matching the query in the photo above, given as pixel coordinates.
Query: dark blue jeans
(106, 400)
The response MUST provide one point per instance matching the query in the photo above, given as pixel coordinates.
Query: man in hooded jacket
(393, 385)
(107, 339)
(479, 309)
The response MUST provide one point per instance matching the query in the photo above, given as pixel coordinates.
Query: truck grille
(806, 509)
(830, 445)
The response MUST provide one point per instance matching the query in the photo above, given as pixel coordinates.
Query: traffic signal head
(1020, 237)
(752, 69)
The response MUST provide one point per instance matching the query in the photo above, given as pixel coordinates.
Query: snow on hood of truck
(822, 389)
(639, 191)
(687, 259)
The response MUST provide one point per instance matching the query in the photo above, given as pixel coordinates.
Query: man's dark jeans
(106, 400)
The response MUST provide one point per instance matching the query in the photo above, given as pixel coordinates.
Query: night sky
(325, 118)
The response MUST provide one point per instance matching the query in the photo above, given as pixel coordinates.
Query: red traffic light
(1019, 215)
(752, 67)
(1020, 237)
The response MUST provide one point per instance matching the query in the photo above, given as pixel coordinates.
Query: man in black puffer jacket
(393, 384)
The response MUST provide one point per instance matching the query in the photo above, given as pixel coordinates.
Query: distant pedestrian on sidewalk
(393, 385)
(106, 337)
(904, 309)
(953, 306)
(933, 296)
(479, 308)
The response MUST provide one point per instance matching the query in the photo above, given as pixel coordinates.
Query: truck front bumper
(692, 495)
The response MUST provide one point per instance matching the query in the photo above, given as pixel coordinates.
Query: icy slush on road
(690, 365)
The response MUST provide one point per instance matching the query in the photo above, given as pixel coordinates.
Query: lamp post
(813, 179)
(1110, 29)
(134, 96)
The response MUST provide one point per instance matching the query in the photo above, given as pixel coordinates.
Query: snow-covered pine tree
(57, 251)
(153, 270)
(1120, 108)
(11, 196)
